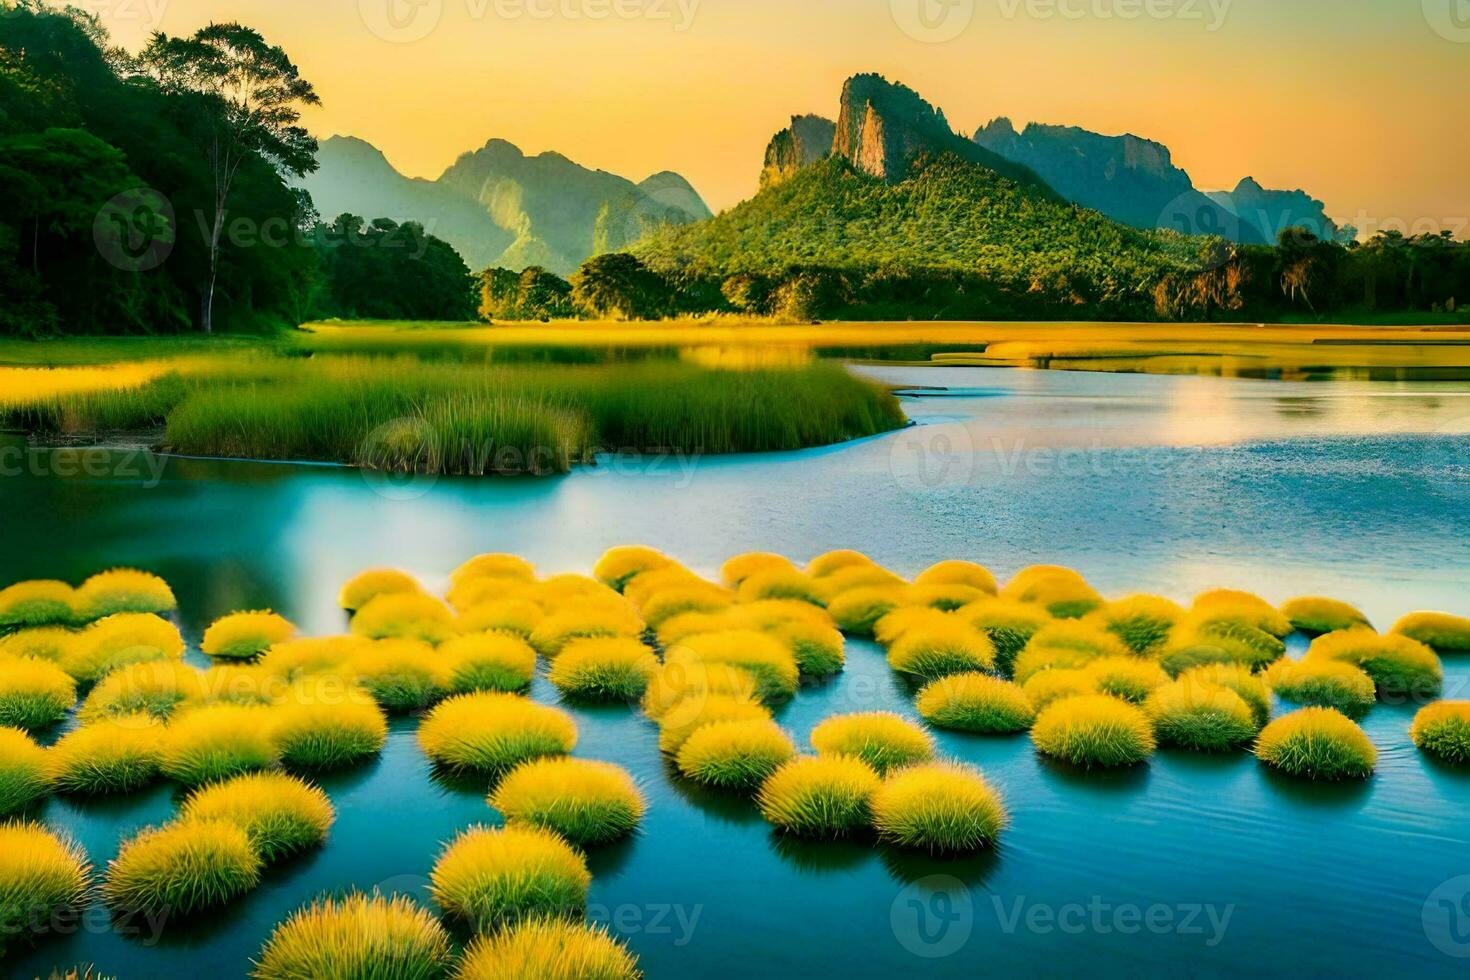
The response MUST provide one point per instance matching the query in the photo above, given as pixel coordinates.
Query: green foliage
(619, 286)
(382, 270)
(533, 294)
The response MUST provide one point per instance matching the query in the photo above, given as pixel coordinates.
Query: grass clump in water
(1440, 632)
(685, 682)
(1201, 717)
(491, 879)
(245, 635)
(118, 641)
(882, 740)
(584, 622)
(736, 570)
(765, 658)
(317, 730)
(937, 649)
(1323, 684)
(824, 565)
(1009, 624)
(940, 807)
(1241, 607)
(822, 796)
(34, 693)
(608, 669)
(1235, 677)
(585, 801)
(155, 688)
(818, 648)
(1066, 645)
(1399, 665)
(548, 949)
(1317, 743)
(619, 566)
(1094, 731)
(857, 611)
(1318, 615)
(976, 703)
(699, 708)
(217, 741)
(1126, 678)
(122, 590)
(404, 616)
(513, 616)
(488, 662)
(40, 602)
(43, 878)
(182, 868)
(735, 755)
(781, 583)
(1047, 686)
(493, 733)
(1143, 622)
(1063, 593)
(1443, 730)
(24, 777)
(702, 598)
(281, 814)
(965, 573)
(403, 676)
(366, 586)
(357, 936)
(116, 755)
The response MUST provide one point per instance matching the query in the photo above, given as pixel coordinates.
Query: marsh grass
(365, 586)
(404, 616)
(1317, 743)
(493, 733)
(1094, 731)
(217, 741)
(281, 814)
(1440, 632)
(608, 669)
(585, 801)
(764, 657)
(735, 755)
(156, 689)
(699, 708)
(488, 662)
(23, 775)
(1201, 717)
(1443, 730)
(884, 741)
(976, 703)
(357, 935)
(116, 755)
(1317, 615)
(1400, 665)
(940, 807)
(823, 796)
(494, 878)
(34, 694)
(182, 868)
(548, 949)
(959, 573)
(819, 649)
(403, 676)
(328, 733)
(1323, 683)
(937, 649)
(118, 641)
(42, 876)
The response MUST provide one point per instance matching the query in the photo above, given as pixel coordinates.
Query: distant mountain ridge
(499, 207)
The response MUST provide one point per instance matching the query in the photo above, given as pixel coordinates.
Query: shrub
(118, 755)
(279, 813)
(818, 649)
(1438, 631)
(182, 868)
(120, 640)
(958, 573)
(665, 605)
(826, 564)
(328, 733)
(494, 566)
(604, 669)
(403, 676)
(735, 755)
(781, 583)
(357, 936)
(24, 778)
(1046, 686)
(36, 603)
(977, 703)
(693, 712)
(155, 689)
(857, 611)
(1443, 730)
(742, 567)
(1243, 608)
(940, 807)
(675, 683)
(882, 740)
(933, 650)
(548, 949)
(1238, 678)
(514, 616)
(823, 796)
(34, 694)
(296, 658)
(122, 590)
(762, 656)
(488, 662)
(584, 622)
(1143, 622)
(493, 733)
(1400, 666)
(366, 586)
(618, 566)
(43, 876)
(1313, 614)
(1201, 717)
(1060, 591)
(1323, 684)
(1010, 625)
(1317, 743)
(404, 616)
(1094, 730)
(1242, 642)
(245, 635)
(1066, 645)
(217, 741)
(1126, 678)
(585, 801)
(494, 878)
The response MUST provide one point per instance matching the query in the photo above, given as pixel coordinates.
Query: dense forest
(158, 192)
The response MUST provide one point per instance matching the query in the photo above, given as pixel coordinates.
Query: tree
(620, 286)
(250, 97)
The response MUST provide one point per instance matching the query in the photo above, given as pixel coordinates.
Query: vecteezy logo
(400, 459)
(926, 459)
(401, 21)
(1196, 215)
(933, 21)
(1447, 917)
(933, 917)
(1449, 18)
(134, 231)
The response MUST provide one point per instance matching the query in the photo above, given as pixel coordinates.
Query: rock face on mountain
(1268, 213)
(806, 141)
(499, 207)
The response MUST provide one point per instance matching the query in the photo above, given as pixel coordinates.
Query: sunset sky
(1360, 102)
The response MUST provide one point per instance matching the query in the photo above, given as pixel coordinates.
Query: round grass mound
(826, 564)
(891, 628)
(217, 741)
(182, 868)
(819, 796)
(40, 602)
(323, 733)
(1186, 653)
(1066, 645)
(881, 739)
(1402, 667)
(1143, 622)
(736, 570)
(819, 649)
(1244, 642)
(1009, 624)
(977, 703)
(491, 879)
(1201, 717)
(1443, 730)
(120, 640)
(1238, 678)
(516, 617)
(42, 642)
(281, 814)
(316, 655)
(403, 676)
(122, 590)
(24, 777)
(646, 585)
(1094, 731)
(684, 682)
(1242, 607)
(702, 598)
(1438, 631)
(782, 583)
(1323, 684)
(584, 622)
(1317, 743)
(959, 573)
(1048, 686)
(609, 669)
(34, 694)
(940, 807)
(548, 949)
(155, 689)
(1063, 593)
(936, 650)
(357, 936)
(494, 565)
(43, 876)
(701, 708)
(1126, 678)
(859, 577)
(488, 662)
(117, 755)
(404, 616)
(762, 656)
(246, 635)
(857, 611)
(493, 733)
(735, 755)
(471, 593)
(618, 566)
(366, 586)
(945, 598)
(1318, 615)
(586, 801)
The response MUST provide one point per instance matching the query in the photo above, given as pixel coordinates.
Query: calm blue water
(1198, 866)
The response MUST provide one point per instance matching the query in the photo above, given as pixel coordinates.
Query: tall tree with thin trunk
(251, 97)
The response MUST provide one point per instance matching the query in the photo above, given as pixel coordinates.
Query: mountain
(1134, 180)
(499, 207)
(806, 141)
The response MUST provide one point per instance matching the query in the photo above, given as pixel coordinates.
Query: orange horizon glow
(1358, 102)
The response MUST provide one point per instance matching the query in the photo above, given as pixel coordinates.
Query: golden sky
(1360, 102)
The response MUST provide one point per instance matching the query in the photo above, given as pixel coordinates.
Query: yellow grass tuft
(548, 949)
(1009, 624)
(735, 755)
(155, 688)
(216, 741)
(939, 648)
(357, 936)
(1143, 622)
(1127, 678)
(516, 616)
(741, 567)
(604, 669)
(1438, 631)
(959, 573)
(182, 868)
(118, 755)
(620, 565)
(1201, 717)
(120, 640)
(24, 777)
(1317, 743)
(585, 801)
(1323, 683)
(946, 598)
(584, 621)
(466, 594)
(1066, 645)
(940, 807)
(405, 616)
(675, 683)
(1443, 730)
(781, 583)
(37, 603)
(1055, 684)
(893, 626)
(1242, 607)
(488, 662)
(494, 733)
(820, 796)
(402, 675)
(491, 879)
(881, 739)
(34, 693)
(648, 584)
(1094, 731)
(281, 814)
(1399, 665)
(977, 703)
(826, 564)
(1062, 592)
(857, 611)
(1317, 615)
(298, 658)
(122, 590)
(42, 642)
(366, 586)
(494, 566)
(703, 598)
(246, 635)
(1238, 678)
(43, 876)
(858, 577)
(698, 709)
(328, 730)
(764, 657)
(819, 649)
